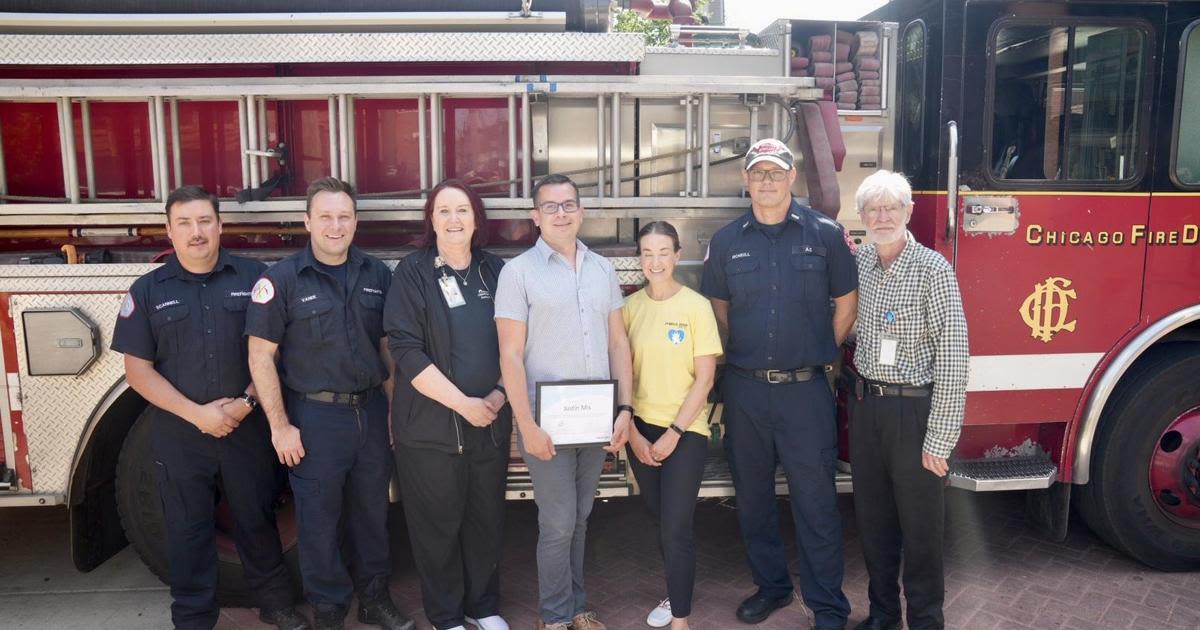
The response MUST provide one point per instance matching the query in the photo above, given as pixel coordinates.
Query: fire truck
(1054, 149)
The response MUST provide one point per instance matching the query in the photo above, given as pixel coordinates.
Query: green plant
(656, 32)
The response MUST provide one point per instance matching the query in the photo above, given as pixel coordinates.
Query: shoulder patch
(263, 291)
(127, 305)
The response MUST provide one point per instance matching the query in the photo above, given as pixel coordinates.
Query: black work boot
(287, 618)
(330, 618)
(380, 611)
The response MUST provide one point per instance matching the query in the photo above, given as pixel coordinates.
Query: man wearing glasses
(783, 285)
(558, 317)
(910, 394)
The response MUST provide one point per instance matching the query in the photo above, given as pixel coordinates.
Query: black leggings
(670, 492)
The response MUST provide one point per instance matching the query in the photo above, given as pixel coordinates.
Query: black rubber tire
(140, 509)
(1117, 503)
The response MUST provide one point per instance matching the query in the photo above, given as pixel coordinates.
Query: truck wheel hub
(1175, 470)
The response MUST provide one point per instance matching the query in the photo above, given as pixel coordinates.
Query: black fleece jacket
(417, 321)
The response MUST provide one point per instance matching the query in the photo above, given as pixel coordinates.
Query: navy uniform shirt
(328, 336)
(190, 325)
(779, 281)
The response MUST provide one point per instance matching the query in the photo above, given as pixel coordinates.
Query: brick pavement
(999, 574)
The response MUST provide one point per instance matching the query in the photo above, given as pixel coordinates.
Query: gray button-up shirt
(565, 312)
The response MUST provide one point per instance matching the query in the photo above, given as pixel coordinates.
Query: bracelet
(500, 388)
(676, 429)
(628, 408)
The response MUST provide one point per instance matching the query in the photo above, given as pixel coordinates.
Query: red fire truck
(1054, 147)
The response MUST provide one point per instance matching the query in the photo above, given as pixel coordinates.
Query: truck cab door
(1049, 230)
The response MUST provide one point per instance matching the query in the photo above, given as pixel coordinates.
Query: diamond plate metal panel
(47, 278)
(152, 49)
(626, 263)
(772, 35)
(723, 52)
(56, 409)
(629, 270)
(630, 278)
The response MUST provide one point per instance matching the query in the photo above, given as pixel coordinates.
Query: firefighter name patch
(262, 292)
(127, 306)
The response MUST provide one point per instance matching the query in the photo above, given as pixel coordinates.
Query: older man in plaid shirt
(907, 408)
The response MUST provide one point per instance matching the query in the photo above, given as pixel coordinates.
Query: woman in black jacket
(450, 420)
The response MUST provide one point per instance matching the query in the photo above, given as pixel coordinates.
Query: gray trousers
(563, 489)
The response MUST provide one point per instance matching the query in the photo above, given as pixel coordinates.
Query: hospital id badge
(887, 350)
(450, 291)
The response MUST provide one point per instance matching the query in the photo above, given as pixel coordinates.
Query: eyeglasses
(776, 175)
(552, 207)
(892, 210)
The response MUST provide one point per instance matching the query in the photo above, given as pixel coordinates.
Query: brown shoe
(586, 620)
(554, 626)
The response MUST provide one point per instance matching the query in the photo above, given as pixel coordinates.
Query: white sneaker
(459, 628)
(495, 622)
(660, 617)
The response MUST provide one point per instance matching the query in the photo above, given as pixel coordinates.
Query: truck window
(1066, 102)
(1187, 125)
(911, 128)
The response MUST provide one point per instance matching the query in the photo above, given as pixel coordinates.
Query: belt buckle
(876, 389)
(771, 376)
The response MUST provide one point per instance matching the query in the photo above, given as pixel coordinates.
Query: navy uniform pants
(346, 469)
(191, 468)
(791, 424)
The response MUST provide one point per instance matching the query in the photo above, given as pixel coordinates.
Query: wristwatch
(628, 408)
(250, 401)
(674, 427)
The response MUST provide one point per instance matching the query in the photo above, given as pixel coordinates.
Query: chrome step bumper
(1005, 473)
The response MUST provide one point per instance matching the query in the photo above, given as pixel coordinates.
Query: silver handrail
(709, 31)
(952, 183)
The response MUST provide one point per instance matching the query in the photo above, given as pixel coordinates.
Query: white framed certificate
(576, 413)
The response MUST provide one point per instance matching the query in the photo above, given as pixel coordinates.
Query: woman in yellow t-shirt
(675, 344)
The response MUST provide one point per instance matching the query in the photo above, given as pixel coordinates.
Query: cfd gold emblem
(1045, 310)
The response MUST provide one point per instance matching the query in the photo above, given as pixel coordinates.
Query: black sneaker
(332, 618)
(758, 607)
(285, 618)
(383, 613)
(874, 623)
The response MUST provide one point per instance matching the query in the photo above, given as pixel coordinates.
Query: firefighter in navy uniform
(180, 328)
(319, 313)
(771, 276)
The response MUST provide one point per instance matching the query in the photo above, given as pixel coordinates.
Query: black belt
(864, 387)
(776, 377)
(357, 399)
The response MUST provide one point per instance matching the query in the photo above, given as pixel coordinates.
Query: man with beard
(907, 409)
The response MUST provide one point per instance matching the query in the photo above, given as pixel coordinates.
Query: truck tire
(1143, 497)
(140, 509)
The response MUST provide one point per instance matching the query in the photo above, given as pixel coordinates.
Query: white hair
(883, 185)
